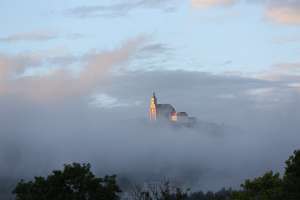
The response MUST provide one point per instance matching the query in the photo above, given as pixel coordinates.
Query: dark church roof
(166, 107)
(165, 110)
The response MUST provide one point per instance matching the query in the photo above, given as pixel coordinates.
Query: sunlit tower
(153, 108)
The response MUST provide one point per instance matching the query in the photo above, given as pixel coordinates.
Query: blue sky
(214, 39)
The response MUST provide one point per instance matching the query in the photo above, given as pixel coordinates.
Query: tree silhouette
(74, 182)
(292, 177)
(266, 187)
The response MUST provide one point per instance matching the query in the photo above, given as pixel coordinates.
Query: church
(166, 112)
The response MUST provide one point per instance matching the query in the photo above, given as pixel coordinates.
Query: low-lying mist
(257, 135)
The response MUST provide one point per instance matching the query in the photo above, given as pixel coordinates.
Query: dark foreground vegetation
(77, 182)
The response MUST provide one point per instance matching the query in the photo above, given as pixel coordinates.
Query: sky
(76, 79)
(214, 36)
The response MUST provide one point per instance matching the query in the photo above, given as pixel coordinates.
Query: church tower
(153, 108)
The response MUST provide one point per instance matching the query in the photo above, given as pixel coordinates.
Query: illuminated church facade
(166, 112)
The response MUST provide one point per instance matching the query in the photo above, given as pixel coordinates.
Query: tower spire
(153, 108)
(154, 97)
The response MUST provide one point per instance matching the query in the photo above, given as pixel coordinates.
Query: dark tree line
(77, 182)
(74, 182)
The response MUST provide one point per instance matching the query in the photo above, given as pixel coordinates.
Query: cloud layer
(61, 82)
(120, 8)
(36, 138)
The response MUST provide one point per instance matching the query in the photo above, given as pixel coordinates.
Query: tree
(292, 177)
(266, 187)
(74, 182)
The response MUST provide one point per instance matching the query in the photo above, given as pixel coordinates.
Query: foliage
(75, 182)
(292, 177)
(266, 187)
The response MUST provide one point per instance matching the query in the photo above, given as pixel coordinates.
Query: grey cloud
(227, 62)
(196, 86)
(156, 48)
(120, 8)
(30, 36)
(153, 51)
(153, 56)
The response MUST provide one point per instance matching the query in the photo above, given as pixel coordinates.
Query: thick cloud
(38, 137)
